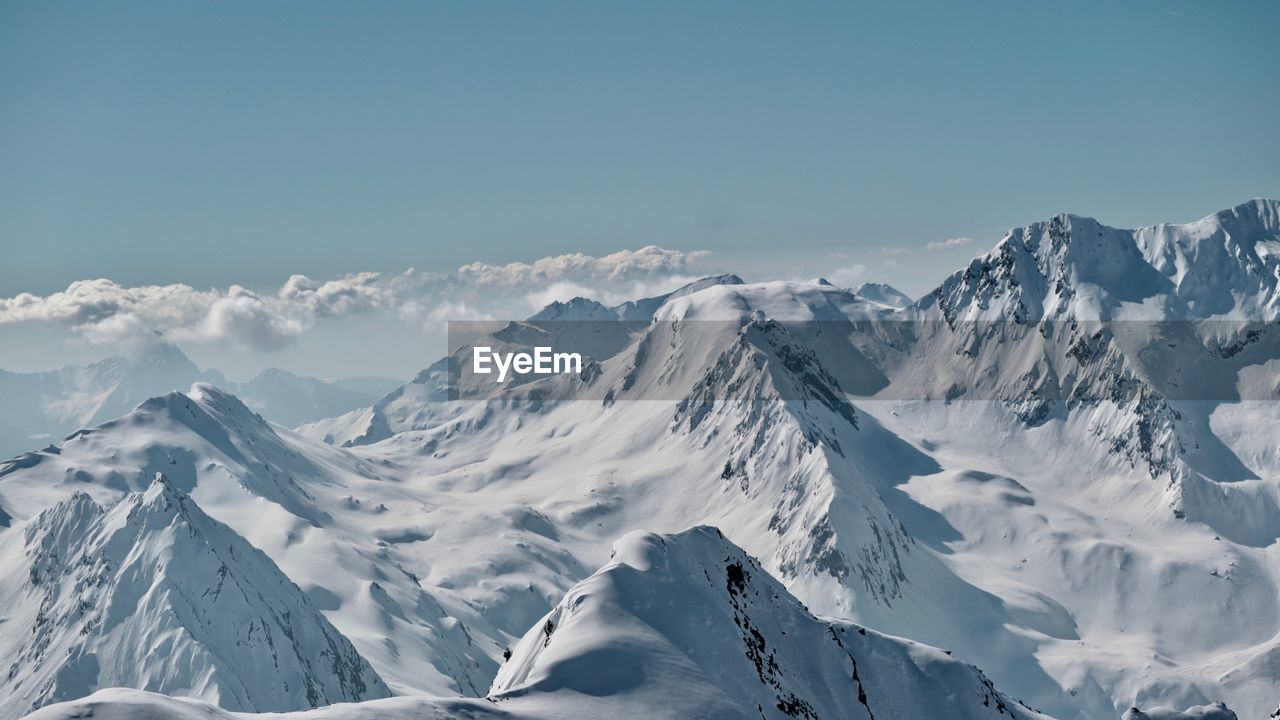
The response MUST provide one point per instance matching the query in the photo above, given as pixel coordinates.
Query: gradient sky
(240, 142)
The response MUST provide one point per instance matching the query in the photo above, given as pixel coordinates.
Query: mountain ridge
(37, 408)
(116, 586)
(1018, 483)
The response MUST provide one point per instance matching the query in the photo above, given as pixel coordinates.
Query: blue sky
(241, 142)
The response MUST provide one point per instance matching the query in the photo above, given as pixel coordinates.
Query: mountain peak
(883, 294)
(708, 281)
(162, 495)
(578, 309)
(61, 523)
(276, 374)
(700, 620)
(164, 353)
(1262, 213)
(1073, 267)
(180, 604)
(644, 309)
(198, 406)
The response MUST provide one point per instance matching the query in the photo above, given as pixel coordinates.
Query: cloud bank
(949, 243)
(103, 312)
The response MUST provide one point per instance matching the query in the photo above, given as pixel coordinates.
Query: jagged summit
(714, 636)
(204, 432)
(580, 309)
(165, 354)
(1224, 265)
(1251, 222)
(153, 593)
(1074, 268)
(902, 517)
(645, 309)
(161, 368)
(581, 325)
(675, 626)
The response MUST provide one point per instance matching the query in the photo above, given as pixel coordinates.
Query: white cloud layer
(104, 312)
(949, 243)
(620, 267)
(848, 276)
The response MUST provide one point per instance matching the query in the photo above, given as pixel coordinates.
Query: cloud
(949, 243)
(846, 277)
(247, 321)
(125, 330)
(438, 317)
(347, 295)
(623, 266)
(91, 301)
(103, 312)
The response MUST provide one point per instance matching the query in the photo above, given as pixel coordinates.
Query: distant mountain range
(39, 408)
(1055, 467)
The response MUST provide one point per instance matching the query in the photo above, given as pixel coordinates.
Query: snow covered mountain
(587, 326)
(292, 400)
(1225, 266)
(725, 417)
(298, 501)
(1216, 711)
(582, 309)
(154, 594)
(884, 294)
(1056, 342)
(1052, 466)
(706, 626)
(39, 408)
(679, 626)
(1133, 336)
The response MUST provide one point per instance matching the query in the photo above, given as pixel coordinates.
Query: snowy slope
(1022, 468)
(679, 626)
(754, 436)
(706, 422)
(1135, 337)
(1217, 711)
(688, 625)
(1071, 267)
(155, 594)
(297, 500)
(1105, 455)
(578, 325)
(1224, 265)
